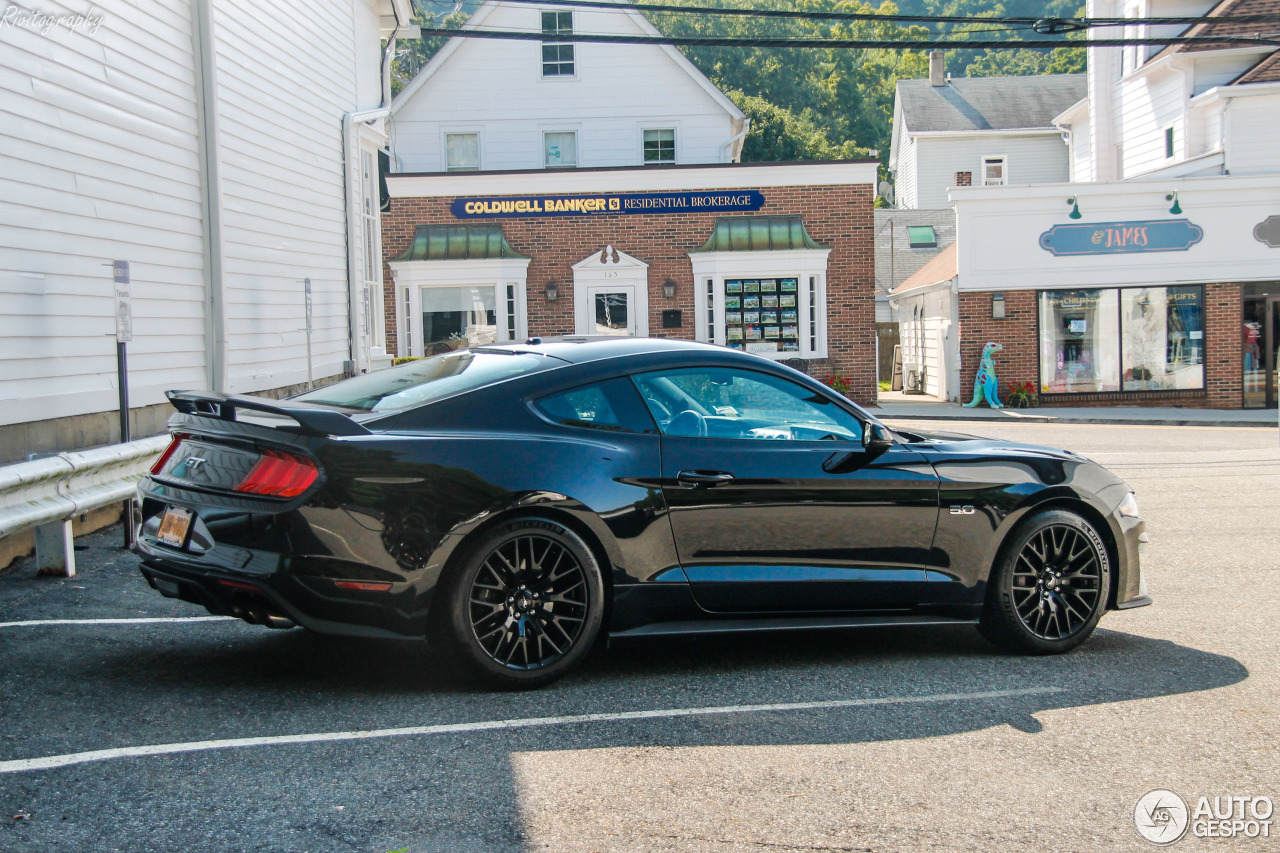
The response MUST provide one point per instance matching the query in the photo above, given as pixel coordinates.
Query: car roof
(583, 349)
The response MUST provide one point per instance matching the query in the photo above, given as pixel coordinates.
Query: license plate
(174, 526)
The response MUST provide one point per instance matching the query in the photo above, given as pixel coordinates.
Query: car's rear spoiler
(313, 419)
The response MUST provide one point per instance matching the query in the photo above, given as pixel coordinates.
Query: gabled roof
(941, 268)
(1226, 27)
(1266, 71)
(484, 11)
(988, 103)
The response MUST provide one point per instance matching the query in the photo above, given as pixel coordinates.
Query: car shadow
(459, 791)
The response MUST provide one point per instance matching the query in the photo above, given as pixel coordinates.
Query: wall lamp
(997, 306)
(552, 291)
(669, 289)
(1075, 208)
(1173, 197)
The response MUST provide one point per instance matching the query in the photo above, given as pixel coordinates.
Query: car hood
(961, 443)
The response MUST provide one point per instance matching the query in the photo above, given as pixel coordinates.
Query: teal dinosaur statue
(984, 384)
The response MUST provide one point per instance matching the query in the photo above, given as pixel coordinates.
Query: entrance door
(1261, 358)
(611, 310)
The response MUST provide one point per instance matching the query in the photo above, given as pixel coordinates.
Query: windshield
(427, 379)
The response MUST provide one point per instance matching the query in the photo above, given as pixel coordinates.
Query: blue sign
(1121, 238)
(709, 201)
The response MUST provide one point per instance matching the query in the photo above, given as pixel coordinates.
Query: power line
(1267, 39)
(1048, 24)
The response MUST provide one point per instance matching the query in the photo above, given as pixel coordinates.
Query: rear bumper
(270, 591)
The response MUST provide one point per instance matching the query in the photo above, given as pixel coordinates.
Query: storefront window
(454, 317)
(1078, 335)
(1126, 339)
(762, 315)
(1162, 338)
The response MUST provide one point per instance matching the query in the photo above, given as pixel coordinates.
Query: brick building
(774, 259)
(1106, 294)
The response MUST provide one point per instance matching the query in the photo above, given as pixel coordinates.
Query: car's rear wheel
(1049, 587)
(524, 606)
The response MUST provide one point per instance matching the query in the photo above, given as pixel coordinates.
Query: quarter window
(659, 147)
(612, 405)
(557, 57)
(742, 404)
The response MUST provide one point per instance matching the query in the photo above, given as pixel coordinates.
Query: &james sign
(1121, 238)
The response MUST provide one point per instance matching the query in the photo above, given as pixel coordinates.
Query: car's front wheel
(524, 606)
(1049, 587)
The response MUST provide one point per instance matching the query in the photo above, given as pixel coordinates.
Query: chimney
(937, 68)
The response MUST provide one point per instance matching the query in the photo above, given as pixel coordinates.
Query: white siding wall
(906, 187)
(497, 89)
(1082, 151)
(923, 322)
(1148, 104)
(1254, 128)
(286, 74)
(1032, 160)
(98, 161)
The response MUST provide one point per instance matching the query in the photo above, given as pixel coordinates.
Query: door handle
(703, 478)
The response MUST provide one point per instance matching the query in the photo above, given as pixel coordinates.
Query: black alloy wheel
(1049, 589)
(527, 604)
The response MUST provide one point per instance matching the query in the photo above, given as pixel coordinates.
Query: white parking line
(52, 761)
(140, 620)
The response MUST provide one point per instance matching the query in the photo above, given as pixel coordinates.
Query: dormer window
(557, 57)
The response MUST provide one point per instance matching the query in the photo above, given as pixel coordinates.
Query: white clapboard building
(227, 150)
(483, 104)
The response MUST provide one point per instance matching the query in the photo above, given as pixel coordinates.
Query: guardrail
(47, 493)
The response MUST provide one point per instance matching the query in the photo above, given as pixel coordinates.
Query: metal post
(124, 334)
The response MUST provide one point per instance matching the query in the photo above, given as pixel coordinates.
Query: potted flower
(1022, 396)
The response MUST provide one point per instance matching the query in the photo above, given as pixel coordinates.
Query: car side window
(611, 405)
(716, 402)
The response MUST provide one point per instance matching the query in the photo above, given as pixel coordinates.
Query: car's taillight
(280, 475)
(168, 451)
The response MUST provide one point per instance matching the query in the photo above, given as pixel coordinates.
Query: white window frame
(1169, 141)
(577, 147)
(370, 324)
(444, 148)
(542, 66)
(1004, 169)
(675, 145)
(600, 269)
(806, 265)
(499, 273)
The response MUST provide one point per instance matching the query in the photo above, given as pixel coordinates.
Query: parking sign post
(124, 334)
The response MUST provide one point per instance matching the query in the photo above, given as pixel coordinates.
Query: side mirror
(876, 438)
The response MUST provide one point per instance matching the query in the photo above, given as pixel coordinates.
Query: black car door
(775, 503)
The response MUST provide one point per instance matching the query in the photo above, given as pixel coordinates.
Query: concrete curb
(1269, 423)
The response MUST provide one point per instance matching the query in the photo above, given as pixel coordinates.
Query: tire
(524, 605)
(1049, 586)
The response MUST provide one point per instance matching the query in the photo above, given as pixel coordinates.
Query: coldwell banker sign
(1121, 238)
(608, 204)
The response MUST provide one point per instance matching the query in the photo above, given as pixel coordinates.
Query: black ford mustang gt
(511, 502)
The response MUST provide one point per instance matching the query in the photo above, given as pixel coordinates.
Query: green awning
(458, 243)
(759, 234)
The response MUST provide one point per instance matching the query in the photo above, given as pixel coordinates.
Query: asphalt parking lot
(888, 740)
